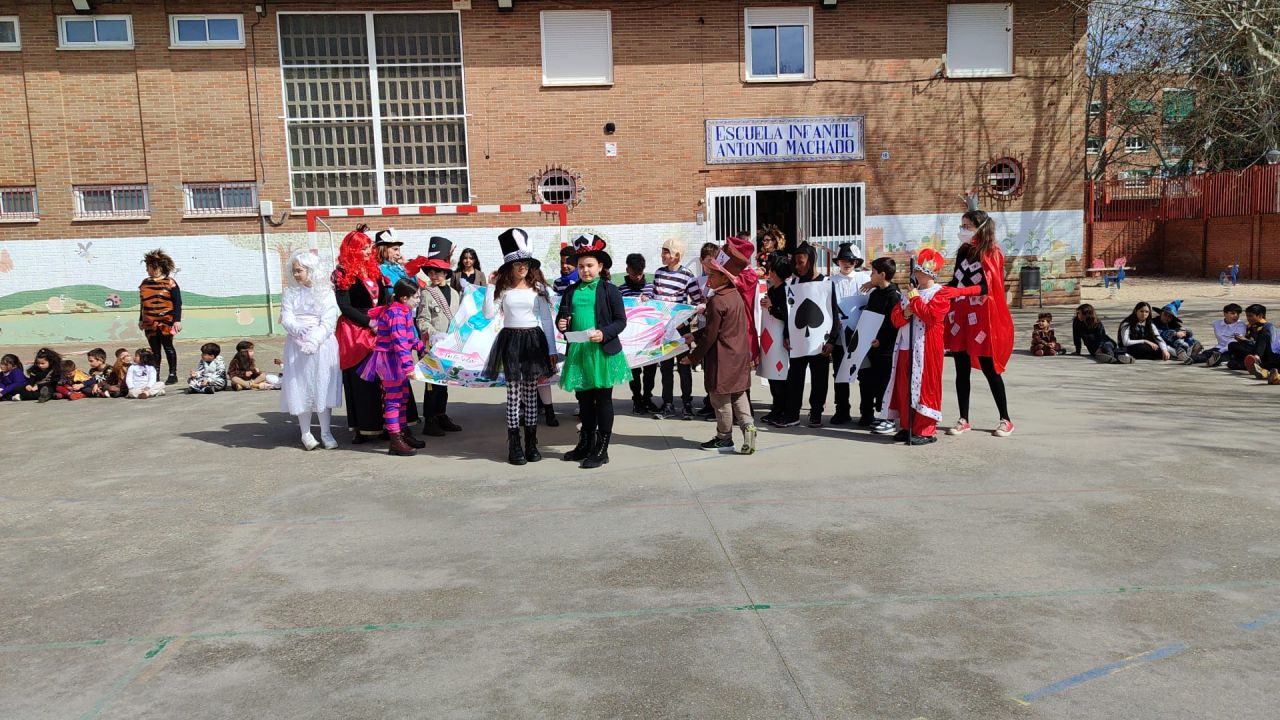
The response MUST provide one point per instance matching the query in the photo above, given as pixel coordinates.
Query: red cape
(1001, 321)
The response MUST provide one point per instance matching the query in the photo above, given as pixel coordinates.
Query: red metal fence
(1252, 191)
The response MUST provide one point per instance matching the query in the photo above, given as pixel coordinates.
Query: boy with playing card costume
(915, 387)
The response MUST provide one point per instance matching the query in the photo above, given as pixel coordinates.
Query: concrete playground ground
(1119, 556)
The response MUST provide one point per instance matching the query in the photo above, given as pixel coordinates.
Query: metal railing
(212, 199)
(20, 203)
(104, 202)
(1252, 191)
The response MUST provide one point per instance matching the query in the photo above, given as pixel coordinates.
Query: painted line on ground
(1258, 624)
(1149, 656)
(588, 615)
(119, 685)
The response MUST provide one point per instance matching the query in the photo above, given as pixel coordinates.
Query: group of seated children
(1251, 344)
(51, 377)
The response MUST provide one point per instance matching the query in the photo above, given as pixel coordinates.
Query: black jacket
(611, 314)
(884, 300)
(1092, 338)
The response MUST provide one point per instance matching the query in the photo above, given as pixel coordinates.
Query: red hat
(930, 262)
(729, 261)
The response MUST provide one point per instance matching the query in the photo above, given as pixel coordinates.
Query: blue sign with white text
(796, 139)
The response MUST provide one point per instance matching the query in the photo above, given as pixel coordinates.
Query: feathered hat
(593, 246)
(514, 244)
(930, 262)
(385, 237)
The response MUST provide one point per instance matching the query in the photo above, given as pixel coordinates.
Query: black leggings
(994, 380)
(162, 340)
(595, 410)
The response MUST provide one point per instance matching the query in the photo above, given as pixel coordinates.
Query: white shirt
(1226, 334)
(522, 309)
(851, 284)
(140, 376)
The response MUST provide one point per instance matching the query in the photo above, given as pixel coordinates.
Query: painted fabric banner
(775, 361)
(458, 357)
(808, 317)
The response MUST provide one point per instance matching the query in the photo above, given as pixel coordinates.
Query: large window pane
(206, 198)
(424, 144)
(317, 93)
(224, 30)
(791, 50)
(78, 31)
(430, 91)
(331, 146)
(345, 189)
(191, 31)
(8, 32)
(764, 51)
(323, 40)
(427, 187)
(418, 38)
(113, 31)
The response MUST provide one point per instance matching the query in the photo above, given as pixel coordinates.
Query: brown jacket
(722, 345)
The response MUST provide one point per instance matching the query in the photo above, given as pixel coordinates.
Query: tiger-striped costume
(161, 305)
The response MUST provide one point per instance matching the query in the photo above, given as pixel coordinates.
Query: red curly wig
(354, 259)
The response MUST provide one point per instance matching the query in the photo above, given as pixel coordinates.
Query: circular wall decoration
(557, 185)
(1005, 178)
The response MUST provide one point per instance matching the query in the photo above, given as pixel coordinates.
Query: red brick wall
(1183, 247)
(1269, 248)
(1137, 241)
(167, 116)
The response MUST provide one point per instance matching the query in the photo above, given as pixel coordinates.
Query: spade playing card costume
(916, 380)
(808, 314)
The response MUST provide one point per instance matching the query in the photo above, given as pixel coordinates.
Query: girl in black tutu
(524, 351)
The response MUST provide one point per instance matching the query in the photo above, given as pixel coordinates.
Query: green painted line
(119, 685)
(158, 643)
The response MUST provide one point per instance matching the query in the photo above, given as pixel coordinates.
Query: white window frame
(1135, 147)
(979, 73)
(607, 79)
(1095, 108)
(379, 171)
(17, 34)
(82, 215)
(191, 211)
(1094, 150)
(176, 44)
(779, 17)
(96, 45)
(7, 216)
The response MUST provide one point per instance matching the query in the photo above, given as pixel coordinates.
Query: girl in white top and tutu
(313, 383)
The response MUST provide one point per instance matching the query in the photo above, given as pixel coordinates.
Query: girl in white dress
(312, 382)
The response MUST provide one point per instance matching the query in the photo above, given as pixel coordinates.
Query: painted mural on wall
(85, 291)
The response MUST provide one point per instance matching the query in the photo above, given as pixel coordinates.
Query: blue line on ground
(1150, 656)
(1261, 622)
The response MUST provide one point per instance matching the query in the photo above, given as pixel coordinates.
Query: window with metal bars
(105, 202)
(19, 203)
(238, 198)
(379, 122)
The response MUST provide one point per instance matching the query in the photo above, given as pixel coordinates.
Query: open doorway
(781, 208)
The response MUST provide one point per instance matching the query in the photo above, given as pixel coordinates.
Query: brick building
(143, 124)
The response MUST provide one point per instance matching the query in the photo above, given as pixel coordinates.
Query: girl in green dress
(593, 366)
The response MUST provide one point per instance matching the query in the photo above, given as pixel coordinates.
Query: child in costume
(141, 379)
(873, 378)
(210, 375)
(440, 302)
(12, 379)
(568, 271)
(848, 280)
(979, 333)
(391, 362)
(676, 284)
(1139, 337)
(816, 365)
(1087, 328)
(1224, 333)
(160, 314)
(1043, 340)
(524, 352)
(309, 314)
(916, 385)
(635, 285)
(592, 367)
(1181, 341)
(722, 347)
(243, 372)
(42, 377)
(71, 383)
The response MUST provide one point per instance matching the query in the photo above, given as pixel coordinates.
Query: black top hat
(848, 252)
(386, 237)
(514, 244)
(593, 246)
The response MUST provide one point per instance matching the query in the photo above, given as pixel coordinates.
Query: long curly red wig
(354, 259)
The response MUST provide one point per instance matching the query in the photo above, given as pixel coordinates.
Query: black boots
(549, 411)
(515, 454)
(400, 447)
(531, 444)
(410, 440)
(586, 440)
(431, 427)
(599, 452)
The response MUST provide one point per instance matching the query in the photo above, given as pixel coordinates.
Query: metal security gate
(833, 214)
(732, 210)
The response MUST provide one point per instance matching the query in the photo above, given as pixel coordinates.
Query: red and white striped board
(393, 210)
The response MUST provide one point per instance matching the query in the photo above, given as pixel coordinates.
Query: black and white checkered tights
(522, 394)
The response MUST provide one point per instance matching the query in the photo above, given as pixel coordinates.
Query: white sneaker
(330, 442)
(748, 440)
(309, 441)
(884, 427)
(1004, 429)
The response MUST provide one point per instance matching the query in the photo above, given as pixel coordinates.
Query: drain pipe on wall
(264, 217)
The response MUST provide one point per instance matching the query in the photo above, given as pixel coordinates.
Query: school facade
(133, 125)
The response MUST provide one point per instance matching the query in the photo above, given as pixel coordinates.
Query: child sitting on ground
(1224, 333)
(71, 382)
(116, 379)
(243, 372)
(12, 379)
(43, 376)
(210, 374)
(1179, 339)
(1043, 340)
(1257, 334)
(141, 378)
(1139, 337)
(1087, 328)
(96, 385)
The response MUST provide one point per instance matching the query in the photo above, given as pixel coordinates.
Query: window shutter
(577, 48)
(779, 16)
(979, 40)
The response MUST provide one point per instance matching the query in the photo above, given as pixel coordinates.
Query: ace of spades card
(857, 343)
(808, 317)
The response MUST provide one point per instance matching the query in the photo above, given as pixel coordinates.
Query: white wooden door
(730, 211)
(832, 214)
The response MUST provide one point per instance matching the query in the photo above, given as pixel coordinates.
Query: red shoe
(75, 396)
(1004, 429)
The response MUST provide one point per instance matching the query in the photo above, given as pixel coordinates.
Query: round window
(559, 187)
(1005, 178)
